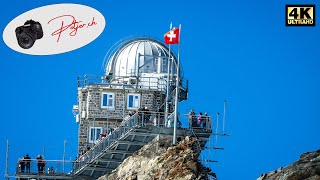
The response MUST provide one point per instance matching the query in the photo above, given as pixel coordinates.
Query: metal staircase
(134, 132)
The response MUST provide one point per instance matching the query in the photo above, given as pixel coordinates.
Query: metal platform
(60, 170)
(35, 176)
(109, 159)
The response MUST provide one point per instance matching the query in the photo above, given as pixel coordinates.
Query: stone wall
(90, 101)
(84, 126)
(92, 115)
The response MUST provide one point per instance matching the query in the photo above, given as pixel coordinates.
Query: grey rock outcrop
(159, 160)
(306, 168)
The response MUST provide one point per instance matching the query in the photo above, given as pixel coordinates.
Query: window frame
(134, 95)
(96, 134)
(102, 100)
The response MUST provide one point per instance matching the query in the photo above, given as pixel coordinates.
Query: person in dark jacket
(40, 164)
(191, 119)
(27, 162)
(22, 164)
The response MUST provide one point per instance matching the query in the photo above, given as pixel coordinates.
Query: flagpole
(168, 82)
(177, 94)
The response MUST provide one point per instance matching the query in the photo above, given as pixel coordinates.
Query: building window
(133, 101)
(94, 134)
(107, 100)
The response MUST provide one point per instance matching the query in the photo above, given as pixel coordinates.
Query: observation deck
(134, 132)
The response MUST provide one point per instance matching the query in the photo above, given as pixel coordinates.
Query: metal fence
(188, 121)
(34, 166)
(140, 83)
(143, 82)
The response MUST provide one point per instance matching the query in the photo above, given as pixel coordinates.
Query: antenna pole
(217, 127)
(224, 115)
(43, 152)
(7, 160)
(64, 153)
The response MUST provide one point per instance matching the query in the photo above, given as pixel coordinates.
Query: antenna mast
(64, 153)
(7, 160)
(217, 128)
(224, 115)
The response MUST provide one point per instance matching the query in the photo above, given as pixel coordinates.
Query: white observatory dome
(140, 57)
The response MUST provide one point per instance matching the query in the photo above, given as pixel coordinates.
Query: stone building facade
(95, 119)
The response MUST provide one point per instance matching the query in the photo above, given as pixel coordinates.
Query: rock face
(160, 160)
(306, 168)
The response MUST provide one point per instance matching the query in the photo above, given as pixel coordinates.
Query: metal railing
(52, 167)
(128, 124)
(128, 81)
(89, 79)
(155, 83)
(192, 121)
(141, 118)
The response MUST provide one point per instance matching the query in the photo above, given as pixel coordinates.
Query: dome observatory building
(136, 78)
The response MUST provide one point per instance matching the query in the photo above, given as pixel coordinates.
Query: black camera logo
(28, 33)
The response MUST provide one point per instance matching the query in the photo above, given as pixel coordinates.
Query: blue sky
(235, 50)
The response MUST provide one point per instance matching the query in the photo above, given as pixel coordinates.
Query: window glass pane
(92, 134)
(104, 100)
(164, 62)
(98, 133)
(136, 103)
(110, 102)
(130, 100)
(136, 97)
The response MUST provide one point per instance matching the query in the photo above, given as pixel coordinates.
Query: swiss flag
(172, 37)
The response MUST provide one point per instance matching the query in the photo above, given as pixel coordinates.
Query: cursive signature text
(70, 25)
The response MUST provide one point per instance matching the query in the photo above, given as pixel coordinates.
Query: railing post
(136, 119)
(59, 167)
(142, 119)
(17, 167)
(159, 119)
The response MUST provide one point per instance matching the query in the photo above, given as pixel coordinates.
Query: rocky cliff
(159, 160)
(306, 168)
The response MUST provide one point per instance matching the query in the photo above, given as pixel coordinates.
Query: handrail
(43, 166)
(108, 141)
(141, 82)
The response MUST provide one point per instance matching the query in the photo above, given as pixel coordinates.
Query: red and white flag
(172, 37)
